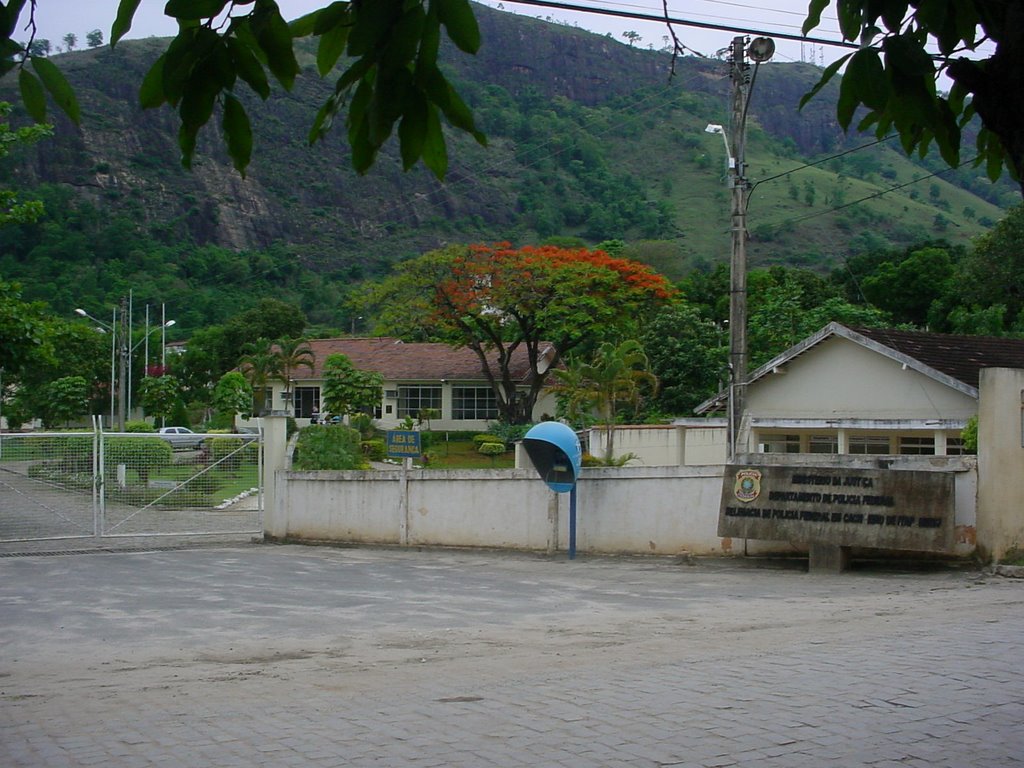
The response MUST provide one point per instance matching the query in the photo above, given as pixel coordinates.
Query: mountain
(589, 138)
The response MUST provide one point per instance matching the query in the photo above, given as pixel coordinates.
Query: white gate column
(1000, 462)
(275, 456)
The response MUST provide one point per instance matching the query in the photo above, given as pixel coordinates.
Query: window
(307, 400)
(774, 443)
(412, 400)
(266, 394)
(917, 446)
(955, 446)
(474, 403)
(869, 444)
(824, 444)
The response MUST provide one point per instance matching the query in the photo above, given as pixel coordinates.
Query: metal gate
(68, 486)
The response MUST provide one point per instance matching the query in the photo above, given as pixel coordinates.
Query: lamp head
(169, 323)
(714, 128)
(761, 49)
(81, 312)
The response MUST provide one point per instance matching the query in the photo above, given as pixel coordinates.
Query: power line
(822, 160)
(872, 196)
(665, 18)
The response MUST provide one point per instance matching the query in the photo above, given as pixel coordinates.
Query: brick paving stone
(935, 683)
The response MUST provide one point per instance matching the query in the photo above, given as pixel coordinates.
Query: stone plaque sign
(880, 508)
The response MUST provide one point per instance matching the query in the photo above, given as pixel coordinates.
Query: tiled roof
(961, 357)
(396, 360)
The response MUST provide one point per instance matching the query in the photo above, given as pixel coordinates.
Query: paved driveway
(291, 656)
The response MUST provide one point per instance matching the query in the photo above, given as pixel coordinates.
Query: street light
(715, 128)
(112, 329)
(121, 351)
(145, 339)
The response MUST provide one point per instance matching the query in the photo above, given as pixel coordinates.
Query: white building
(868, 391)
(417, 376)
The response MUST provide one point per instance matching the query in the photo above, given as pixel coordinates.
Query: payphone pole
(557, 456)
(572, 523)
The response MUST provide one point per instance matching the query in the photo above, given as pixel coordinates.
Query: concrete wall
(637, 510)
(654, 445)
(666, 445)
(1000, 462)
(505, 509)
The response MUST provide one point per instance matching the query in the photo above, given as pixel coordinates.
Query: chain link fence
(105, 485)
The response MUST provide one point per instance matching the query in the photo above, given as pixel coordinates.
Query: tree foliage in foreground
(389, 79)
(497, 299)
(893, 74)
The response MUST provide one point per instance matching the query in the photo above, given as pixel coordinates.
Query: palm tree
(616, 376)
(292, 355)
(260, 365)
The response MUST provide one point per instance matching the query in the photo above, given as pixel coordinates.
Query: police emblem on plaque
(748, 484)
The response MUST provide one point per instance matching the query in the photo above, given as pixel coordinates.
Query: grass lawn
(463, 454)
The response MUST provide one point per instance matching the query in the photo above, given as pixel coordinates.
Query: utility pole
(122, 379)
(739, 72)
(760, 50)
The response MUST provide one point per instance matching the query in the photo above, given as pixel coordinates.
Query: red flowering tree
(494, 299)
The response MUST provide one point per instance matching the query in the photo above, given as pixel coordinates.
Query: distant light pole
(131, 353)
(760, 49)
(121, 351)
(164, 325)
(112, 330)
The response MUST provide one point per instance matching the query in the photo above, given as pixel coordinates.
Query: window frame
(403, 409)
(477, 412)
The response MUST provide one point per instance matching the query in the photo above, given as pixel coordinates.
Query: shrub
(141, 454)
(479, 440)
(492, 449)
(333, 447)
(508, 433)
(223, 421)
(589, 460)
(970, 435)
(230, 452)
(374, 450)
(362, 423)
(138, 426)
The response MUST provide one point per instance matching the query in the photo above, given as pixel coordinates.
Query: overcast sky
(55, 18)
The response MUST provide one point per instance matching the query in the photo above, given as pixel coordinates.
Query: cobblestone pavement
(290, 656)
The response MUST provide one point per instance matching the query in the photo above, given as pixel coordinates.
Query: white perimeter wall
(651, 510)
(635, 510)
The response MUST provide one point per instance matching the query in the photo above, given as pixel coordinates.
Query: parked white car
(181, 438)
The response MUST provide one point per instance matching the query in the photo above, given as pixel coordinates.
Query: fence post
(99, 491)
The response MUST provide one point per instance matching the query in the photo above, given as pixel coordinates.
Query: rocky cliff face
(127, 158)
